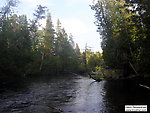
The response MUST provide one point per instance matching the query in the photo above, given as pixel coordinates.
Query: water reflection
(72, 94)
(88, 98)
(124, 92)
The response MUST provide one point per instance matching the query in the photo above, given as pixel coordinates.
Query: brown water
(73, 94)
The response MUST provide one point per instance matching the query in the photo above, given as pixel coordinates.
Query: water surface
(73, 94)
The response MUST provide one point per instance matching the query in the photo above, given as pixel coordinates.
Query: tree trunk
(41, 65)
(133, 68)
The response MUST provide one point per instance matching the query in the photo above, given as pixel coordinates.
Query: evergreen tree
(77, 50)
(26, 50)
(49, 35)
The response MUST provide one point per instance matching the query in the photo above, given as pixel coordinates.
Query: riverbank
(18, 81)
(118, 74)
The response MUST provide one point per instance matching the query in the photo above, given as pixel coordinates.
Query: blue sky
(76, 17)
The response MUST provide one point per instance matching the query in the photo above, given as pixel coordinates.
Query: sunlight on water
(72, 94)
(88, 97)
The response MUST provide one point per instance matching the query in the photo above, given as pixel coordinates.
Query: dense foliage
(27, 50)
(125, 32)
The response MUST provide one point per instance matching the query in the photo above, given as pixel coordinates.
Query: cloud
(71, 25)
(82, 33)
(37, 2)
(75, 26)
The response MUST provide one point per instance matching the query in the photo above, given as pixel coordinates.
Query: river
(72, 94)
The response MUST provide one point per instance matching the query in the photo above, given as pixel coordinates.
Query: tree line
(125, 32)
(27, 50)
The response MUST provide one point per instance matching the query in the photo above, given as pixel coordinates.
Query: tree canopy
(27, 50)
(124, 29)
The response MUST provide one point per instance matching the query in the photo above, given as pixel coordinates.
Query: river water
(72, 94)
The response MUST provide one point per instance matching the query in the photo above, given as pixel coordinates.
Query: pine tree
(77, 50)
(49, 35)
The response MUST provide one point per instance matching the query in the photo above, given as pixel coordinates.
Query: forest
(124, 27)
(43, 70)
(28, 50)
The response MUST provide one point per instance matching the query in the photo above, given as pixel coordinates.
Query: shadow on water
(39, 95)
(125, 92)
(72, 94)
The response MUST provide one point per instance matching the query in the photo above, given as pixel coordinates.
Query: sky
(76, 17)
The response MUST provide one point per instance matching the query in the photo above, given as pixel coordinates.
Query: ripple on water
(76, 94)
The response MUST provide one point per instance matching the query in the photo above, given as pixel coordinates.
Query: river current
(72, 94)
